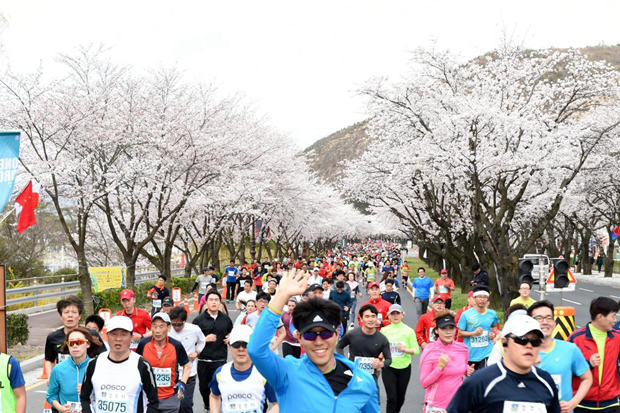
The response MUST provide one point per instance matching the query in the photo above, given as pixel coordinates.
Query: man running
(244, 296)
(163, 354)
(157, 293)
(367, 346)
(320, 381)
(206, 278)
(232, 273)
(444, 287)
(215, 326)
(524, 296)
(426, 322)
(514, 385)
(141, 319)
(379, 303)
(193, 341)
(479, 326)
(389, 294)
(237, 386)
(421, 291)
(119, 380)
(562, 359)
(12, 385)
(343, 299)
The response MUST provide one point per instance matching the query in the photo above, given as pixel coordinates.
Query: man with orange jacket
(426, 322)
(383, 306)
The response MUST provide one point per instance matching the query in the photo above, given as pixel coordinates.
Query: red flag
(25, 204)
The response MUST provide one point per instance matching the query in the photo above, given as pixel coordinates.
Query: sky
(298, 64)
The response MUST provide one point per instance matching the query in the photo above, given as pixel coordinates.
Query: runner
(163, 354)
(290, 344)
(70, 310)
(193, 341)
(524, 296)
(166, 305)
(403, 344)
(470, 304)
(355, 292)
(320, 381)
(405, 271)
(600, 344)
(478, 326)
(561, 359)
(262, 301)
(343, 299)
(206, 278)
(141, 319)
(443, 365)
(119, 380)
(237, 386)
(426, 323)
(158, 292)
(421, 291)
(389, 294)
(367, 346)
(13, 389)
(379, 303)
(231, 280)
(215, 326)
(244, 296)
(63, 391)
(444, 287)
(514, 385)
(315, 278)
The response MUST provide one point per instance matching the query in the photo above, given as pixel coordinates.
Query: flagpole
(6, 215)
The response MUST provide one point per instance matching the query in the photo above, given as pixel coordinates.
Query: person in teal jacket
(320, 381)
(63, 391)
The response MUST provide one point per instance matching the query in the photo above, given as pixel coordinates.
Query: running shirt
(165, 364)
(564, 361)
(496, 389)
(364, 348)
(119, 386)
(443, 288)
(479, 346)
(141, 322)
(241, 391)
(231, 274)
(422, 287)
(396, 334)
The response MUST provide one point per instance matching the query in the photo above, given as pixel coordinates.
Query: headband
(479, 293)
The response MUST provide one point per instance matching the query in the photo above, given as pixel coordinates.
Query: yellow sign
(104, 278)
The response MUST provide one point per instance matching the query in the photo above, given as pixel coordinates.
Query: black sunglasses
(312, 335)
(239, 344)
(523, 341)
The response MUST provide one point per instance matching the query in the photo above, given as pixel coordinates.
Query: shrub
(17, 329)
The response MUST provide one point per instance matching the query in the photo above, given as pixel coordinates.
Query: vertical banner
(4, 338)
(9, 161)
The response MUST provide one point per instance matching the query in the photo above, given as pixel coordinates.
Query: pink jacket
(441, 385)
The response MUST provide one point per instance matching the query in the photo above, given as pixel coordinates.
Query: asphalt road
(579, 299)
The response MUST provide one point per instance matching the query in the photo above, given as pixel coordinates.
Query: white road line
(585, 289)
(570, 301)
(615, 296)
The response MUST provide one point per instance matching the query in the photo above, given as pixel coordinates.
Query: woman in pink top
(442, 365)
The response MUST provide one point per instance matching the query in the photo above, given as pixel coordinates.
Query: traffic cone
(104, 334)
(186, 305)
(47, 408)
(45, 374)
(196, 305)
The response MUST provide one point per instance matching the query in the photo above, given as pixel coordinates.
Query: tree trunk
(609, 257)
(85, 284)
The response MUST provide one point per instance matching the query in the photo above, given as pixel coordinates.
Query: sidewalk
(599, 279)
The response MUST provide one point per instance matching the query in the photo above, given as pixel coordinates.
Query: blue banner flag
(9, 161)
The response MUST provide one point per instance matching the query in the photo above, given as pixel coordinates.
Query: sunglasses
(178, 324)
(312, 335)
(523, 341)
(77, 342)
(239, 344)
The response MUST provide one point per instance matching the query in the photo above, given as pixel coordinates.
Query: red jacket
(382, 306)
(426, 323)
(609, 388)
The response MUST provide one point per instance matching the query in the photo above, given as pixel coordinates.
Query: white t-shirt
(192, 339)
(243, 297)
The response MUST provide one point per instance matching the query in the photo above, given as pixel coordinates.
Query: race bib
(365, 363)
(203, 285)
(431, 334)
(431, 409)
(557, 379)
(240, 406)
(523, 407)
(231, 273)
(394, 351)
(76, 407)
(443, 289)
(163, 376)
(113, 402)
(480, 341)
(62, 357)
(157, 303)
(134, 345)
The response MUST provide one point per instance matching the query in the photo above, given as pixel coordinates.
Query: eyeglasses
(524, 288)
(239, 344)
(540, 318)
(523, 341)
(178, 324)
(312, 335)
(77, 342)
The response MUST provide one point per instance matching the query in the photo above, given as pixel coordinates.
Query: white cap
(519, 325)
(120, 322)
(241, 332)
(162, 316)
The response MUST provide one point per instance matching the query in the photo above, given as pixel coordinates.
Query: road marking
(35, 385)
(570, 301)
(615, 296)
(585, 289)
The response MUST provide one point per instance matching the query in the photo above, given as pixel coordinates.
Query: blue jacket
(300, 386)
(64, 380)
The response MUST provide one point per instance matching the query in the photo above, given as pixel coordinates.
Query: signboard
(104, 278)
(9, 161)
(551, 279)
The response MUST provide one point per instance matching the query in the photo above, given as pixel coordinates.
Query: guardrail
(63, 289)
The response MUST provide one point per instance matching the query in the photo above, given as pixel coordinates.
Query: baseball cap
(470, 294)
(316, 320)
(162, 316)
(445, 321)
(241, 332)
(444, 271)
(314, 287)
(127, 294)
(519, 325)
(120, 322)
(315, 270)
(167, 301)
(395, 307)
(437, 297)
(373, 284)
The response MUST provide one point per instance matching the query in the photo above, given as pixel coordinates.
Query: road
(579, 299)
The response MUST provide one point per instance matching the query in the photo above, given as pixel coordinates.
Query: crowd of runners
(305, 339)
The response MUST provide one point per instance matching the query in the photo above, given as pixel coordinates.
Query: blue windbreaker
(64, 380)
(300, 386)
